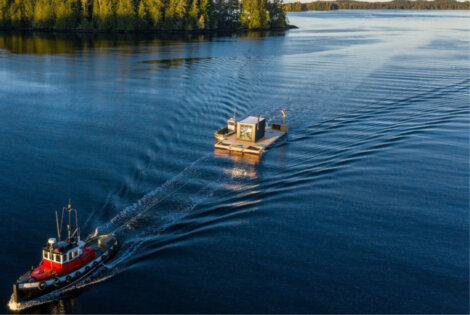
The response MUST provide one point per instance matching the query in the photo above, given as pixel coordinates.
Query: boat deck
(232, 144)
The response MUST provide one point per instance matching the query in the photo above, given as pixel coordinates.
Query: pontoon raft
(250, 135)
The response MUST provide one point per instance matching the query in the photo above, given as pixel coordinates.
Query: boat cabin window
(45, 255)
(56, 257)
(70, 255)
(246, 132)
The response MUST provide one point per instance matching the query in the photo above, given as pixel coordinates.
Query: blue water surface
(362, 208)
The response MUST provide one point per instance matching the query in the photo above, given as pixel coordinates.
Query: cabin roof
(61, 247)
(251, 120)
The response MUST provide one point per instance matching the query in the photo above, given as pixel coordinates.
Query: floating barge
(250, 135)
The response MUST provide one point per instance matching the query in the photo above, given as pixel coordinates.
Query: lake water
(363, 208)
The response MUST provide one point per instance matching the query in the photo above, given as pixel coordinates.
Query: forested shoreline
(142, 15)
(393, 5)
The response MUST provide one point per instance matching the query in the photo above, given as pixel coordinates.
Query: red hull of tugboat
(49, 269)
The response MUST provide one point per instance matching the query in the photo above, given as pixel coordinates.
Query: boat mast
(70, 235)
(69, 226)
(57, 224)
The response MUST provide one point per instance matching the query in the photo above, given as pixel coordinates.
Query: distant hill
(393, 5)
(141, 15)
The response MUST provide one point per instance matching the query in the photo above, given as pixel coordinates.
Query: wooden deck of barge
(232, 144)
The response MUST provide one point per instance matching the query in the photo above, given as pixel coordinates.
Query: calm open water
(363, 208)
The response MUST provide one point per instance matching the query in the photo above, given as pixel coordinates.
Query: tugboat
(65, 262)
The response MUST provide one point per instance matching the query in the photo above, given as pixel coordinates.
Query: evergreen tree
(125, 16)
(217, 14)
(170, 14)
(143, 19)
(103, 15)
(4, 19)
(181, 14)
(205, 12)
(226, 14)
(263, 14)
(232, 14)
(156, 9)
(43, 14)
(277, 16)
(254, 14)
(152, 14)
(60, 12)
(95, 14)
(66, 15)
(194, 15)
(85, 14)
(245, 13)
(27, 13)
(175, 14)
(14, 13)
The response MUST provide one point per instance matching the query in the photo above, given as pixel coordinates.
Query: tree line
(394, 5)
(135, 15)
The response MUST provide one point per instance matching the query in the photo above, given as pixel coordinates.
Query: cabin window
(246, 132)
(70, 255)
(56, 257)
(75, 253)
(46, 255)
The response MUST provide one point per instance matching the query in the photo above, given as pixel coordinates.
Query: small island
(142, 15)
(391, 5)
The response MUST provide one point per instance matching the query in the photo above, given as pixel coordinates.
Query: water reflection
(61, 306)
(175, 62)
(244, 164)
(23, 42)
(249, 172)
